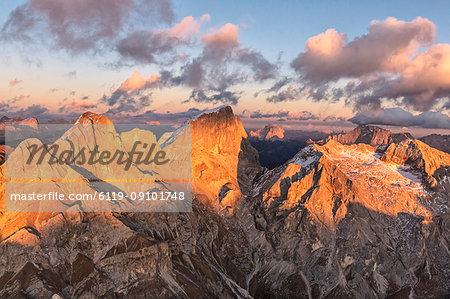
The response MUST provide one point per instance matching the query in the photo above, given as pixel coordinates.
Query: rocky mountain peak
(335, 221)
(31, 121)
(364, 134)
(93, 118)
(326, 179)
(217, 138)
(419, 156)
(269, 132)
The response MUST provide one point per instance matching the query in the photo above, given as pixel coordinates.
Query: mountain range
(357, 215)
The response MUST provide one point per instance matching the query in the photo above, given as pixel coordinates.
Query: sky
(301, 64)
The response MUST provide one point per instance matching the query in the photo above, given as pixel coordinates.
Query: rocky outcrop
(18, 121)
(336, 221)
(369, 135)
(217, 137)
(418, 156)
(269, 132)
(325, 179)
(342, 221)
(31, 121)
(89, 118)
(127, 254)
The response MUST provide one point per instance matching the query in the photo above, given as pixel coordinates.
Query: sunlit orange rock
(327, 178)
(216, 143)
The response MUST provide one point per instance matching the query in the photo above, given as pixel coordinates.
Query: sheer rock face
(369, 135)
(348, 221)
(216, 144)
(269, 132)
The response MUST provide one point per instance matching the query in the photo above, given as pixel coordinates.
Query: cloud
(133, 94)
(141, 32)
(153, 122)
(72, 106)
(72, 74)
(145, 46)
(222, 65)
(34, 110)
(15, 82)
(387, 47)
(66, 114)
(82, 25)
(402, 118)
(122, 101)
(262, 69)
(152, 116)
(127, 29)
(219, 96)
(289, 94)
(219, 43)
(285, 115)
(137, 82)
(332, 118)
(187, 28)
(395, 61)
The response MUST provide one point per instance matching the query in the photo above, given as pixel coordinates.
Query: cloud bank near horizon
(402, 118)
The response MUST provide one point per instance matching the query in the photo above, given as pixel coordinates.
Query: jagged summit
(419, 156)
(364, 134)
(31, 121)
(222, 113)
(325, 179)
(217, 137)
(222, 108)
(372, 135)
(93, 118)
(269, 132)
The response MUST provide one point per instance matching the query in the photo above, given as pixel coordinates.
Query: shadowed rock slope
(440, 142)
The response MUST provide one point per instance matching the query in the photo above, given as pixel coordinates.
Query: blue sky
(271, 34)
(285, 25)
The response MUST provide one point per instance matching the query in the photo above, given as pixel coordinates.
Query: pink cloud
(225, 38)
(395, 60)
(153, 122)
(15, 82)
(80, 105)
(136, 81)
(387, 47)
(187, 28)
(425, 77)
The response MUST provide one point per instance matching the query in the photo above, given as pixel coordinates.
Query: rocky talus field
(361, 215)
